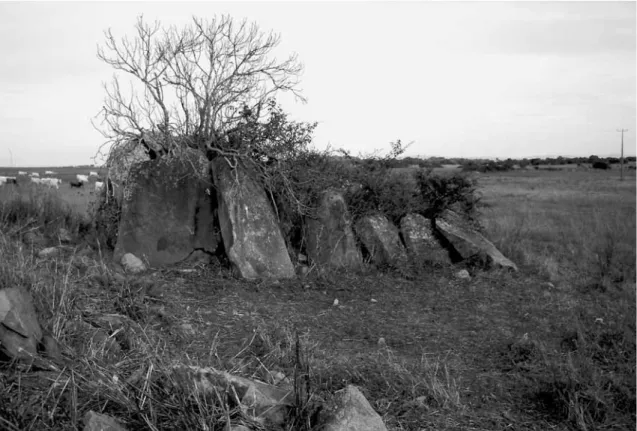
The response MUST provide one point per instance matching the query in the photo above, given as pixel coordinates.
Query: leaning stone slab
(420, 241)
(20, 331)
(266, 404)
(381, 240)
(167, 211)
(353, 413)
(329, 236)
(468, 242)
(251, 234)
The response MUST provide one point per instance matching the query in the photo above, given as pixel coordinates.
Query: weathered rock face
(353, 413)
(20, 331)
(381, 240)
(168, 211)
(330, 239)
(468, 242)
(251, 235)
(422, 245)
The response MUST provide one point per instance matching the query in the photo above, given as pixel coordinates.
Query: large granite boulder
(20, 331)
(468, 242)
(420, 240)
(251, 235)
(168, 211)
(381, 240)
(329, 236)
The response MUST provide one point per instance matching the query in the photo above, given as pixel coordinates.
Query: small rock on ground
(48, 252)
(132, 263)
(99, 422)
(353, 413)
(463, 274)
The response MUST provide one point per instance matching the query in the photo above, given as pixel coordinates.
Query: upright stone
(381, 240)
(420, 241)
(468, 242)
(251, 235)
(329, 236)
(167, 212)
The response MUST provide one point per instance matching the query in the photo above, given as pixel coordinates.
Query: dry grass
(500, 351)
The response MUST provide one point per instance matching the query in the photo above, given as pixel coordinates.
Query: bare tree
(193, 86)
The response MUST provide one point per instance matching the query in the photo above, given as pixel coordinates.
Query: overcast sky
(463, 79)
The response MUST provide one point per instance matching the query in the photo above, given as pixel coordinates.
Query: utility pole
(622, 156)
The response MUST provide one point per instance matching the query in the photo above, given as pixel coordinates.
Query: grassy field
(550, 347)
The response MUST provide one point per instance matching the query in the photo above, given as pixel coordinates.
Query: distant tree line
(491, 165)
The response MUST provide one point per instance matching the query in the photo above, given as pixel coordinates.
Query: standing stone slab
(167, 212)
(468, 242)
(381, 240)
(20, 331)
(251, 235)
(420, 241)
(329, 236)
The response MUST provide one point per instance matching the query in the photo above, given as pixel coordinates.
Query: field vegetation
(550, 347)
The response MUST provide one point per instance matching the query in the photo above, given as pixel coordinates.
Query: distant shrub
(601, 165)
(438, 193)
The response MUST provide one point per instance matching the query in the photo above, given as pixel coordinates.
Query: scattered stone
(251, 234)
(463, 274)
(99, 422)
(264, 403)
(157, 290)
(352, 413)
(34, 239)
(64, 236)
(132, 263)
(468, 242)
(51, 348)
(335, 302)
(20, 331)
(420, 241)
(382, 342)
(48, 252)
(91, 339)
(374, 301)
(302, 271)
(381, 240)
(330, 239)
(188, 329)
(167, 214)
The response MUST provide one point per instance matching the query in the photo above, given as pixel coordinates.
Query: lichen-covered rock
(353, 413)
(168, 211)
(420, 241)
(468, 242)
(251, 234)
(381, 240)
(329, 236)
(20, 331)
